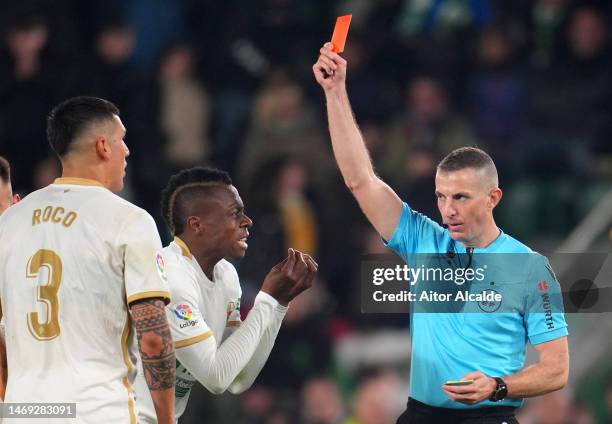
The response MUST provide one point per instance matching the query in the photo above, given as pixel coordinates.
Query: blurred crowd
(229, 83)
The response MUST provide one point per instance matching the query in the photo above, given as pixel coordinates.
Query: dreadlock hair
(183, 188)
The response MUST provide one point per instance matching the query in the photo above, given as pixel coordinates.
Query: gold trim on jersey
(184, 248)
(149, 294)
(78, 181)
(233, 323)
(192, 340)
(125, 336)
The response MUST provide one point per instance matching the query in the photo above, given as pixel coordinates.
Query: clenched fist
(290, 277)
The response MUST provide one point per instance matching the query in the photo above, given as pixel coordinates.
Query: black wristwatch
(500, 392)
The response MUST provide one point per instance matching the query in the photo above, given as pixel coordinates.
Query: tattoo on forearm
(152, 327)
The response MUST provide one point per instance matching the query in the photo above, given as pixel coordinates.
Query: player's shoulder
(173, 256)
(124, 214)
(120, 205)
(512, 245)
(532, 260)
(179, 268)
(226, 268)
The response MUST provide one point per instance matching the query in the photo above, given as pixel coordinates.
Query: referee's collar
(492, 247)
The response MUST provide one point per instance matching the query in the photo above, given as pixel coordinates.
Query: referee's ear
(495, 196)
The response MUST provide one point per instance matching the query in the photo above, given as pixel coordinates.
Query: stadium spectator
(418, 139)
(497, 97)
(28, 89)
(101, 251)
(280, 202)
(573, 101)
(284, 123)
(184, 109)
(372, 94)
(7, 198)
(467, 192)
(214, 346)
(376, 400)
(322, 402)
(547, 18)
(107, 71)
(433, 36)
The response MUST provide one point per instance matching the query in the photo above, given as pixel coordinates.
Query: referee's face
(465, 201)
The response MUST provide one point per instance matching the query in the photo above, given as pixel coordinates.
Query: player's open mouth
(243, 242)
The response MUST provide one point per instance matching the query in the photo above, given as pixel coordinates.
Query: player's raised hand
(290, 277)
(306, 274)
(330, 69)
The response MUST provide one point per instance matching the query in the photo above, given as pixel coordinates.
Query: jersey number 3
(47, 293)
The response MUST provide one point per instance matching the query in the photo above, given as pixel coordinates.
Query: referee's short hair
(5, 171)
(469, 157)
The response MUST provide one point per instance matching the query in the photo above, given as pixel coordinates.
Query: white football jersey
(72, 257)
(199, 309)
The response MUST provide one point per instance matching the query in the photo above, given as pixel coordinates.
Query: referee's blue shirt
(446, 346)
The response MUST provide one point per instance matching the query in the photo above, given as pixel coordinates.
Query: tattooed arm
(157, 353)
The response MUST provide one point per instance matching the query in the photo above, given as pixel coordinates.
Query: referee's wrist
(501, 389)
(492, 386)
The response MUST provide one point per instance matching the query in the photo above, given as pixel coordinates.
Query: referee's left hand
(481, 389)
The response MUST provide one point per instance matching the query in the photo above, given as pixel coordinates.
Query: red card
(340, 32)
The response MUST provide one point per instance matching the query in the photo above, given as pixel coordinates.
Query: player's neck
(207, 260)
(74, 170)
(208, 266)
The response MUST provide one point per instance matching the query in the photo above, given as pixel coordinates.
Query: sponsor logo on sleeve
(546, 303)
(161, 266)
(543, 286)
(233, 313)
(185, 313)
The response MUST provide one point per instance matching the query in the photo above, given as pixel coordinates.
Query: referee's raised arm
(378, 201)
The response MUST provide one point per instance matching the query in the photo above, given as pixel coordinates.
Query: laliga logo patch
(161, 266)
(183, 312)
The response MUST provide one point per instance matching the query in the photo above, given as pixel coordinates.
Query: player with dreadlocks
(213, 346)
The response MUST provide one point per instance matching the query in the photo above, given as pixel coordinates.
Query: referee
(486, 349)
